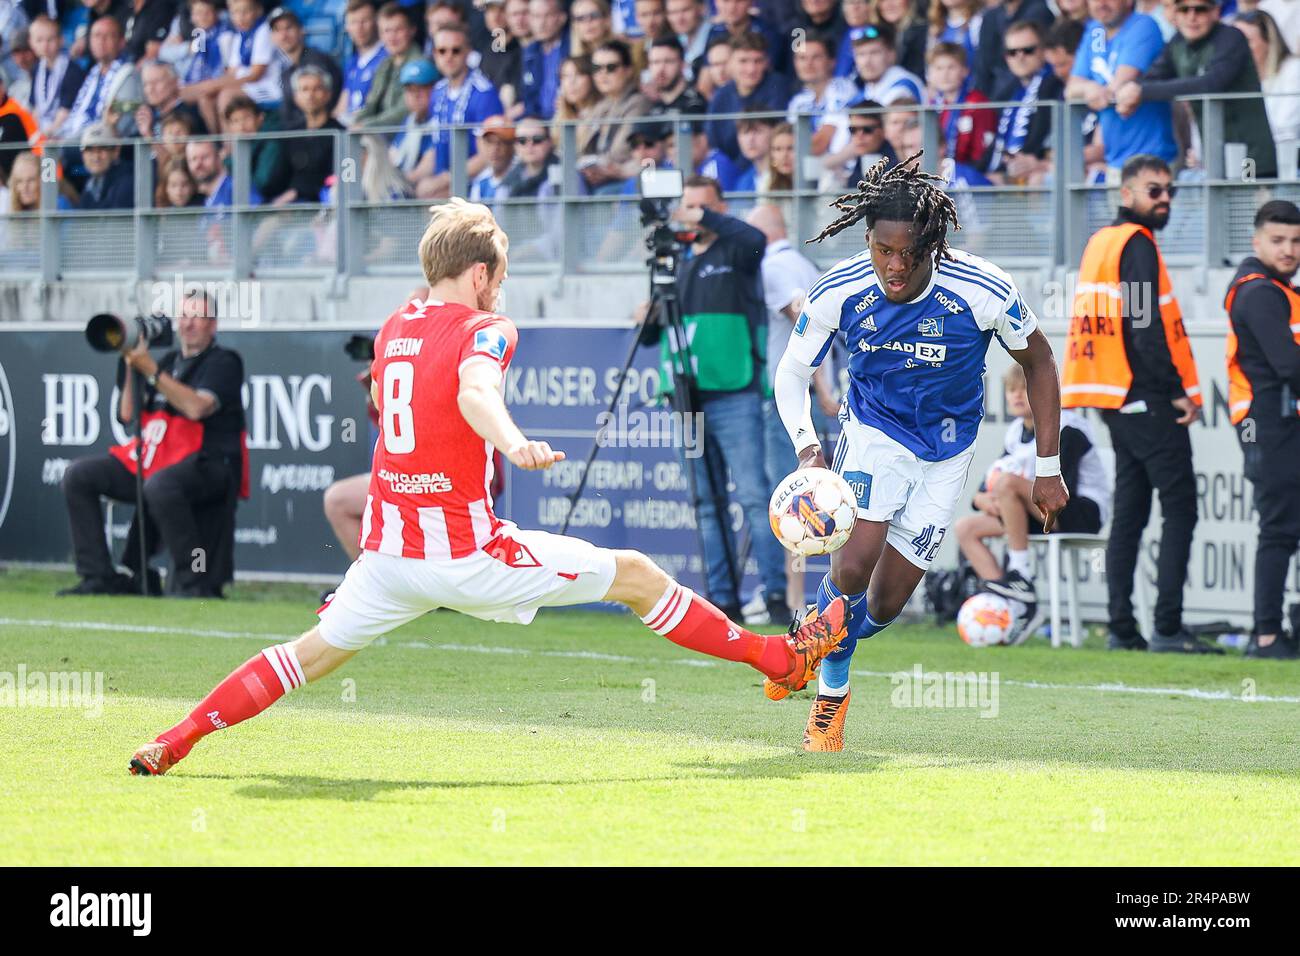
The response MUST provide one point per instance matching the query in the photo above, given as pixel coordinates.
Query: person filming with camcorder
(186, 410)
(721, 314)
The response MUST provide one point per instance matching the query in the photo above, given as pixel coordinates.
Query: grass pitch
(586, 739)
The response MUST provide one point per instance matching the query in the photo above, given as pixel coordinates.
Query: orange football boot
(809, 642)
(825, 730)
(152, 760)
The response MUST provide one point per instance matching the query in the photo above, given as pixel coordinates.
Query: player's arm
(814, 331)
(480, 401)
(1017, 328)
(1049, 494)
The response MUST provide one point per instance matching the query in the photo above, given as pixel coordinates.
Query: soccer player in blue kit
(917, 318)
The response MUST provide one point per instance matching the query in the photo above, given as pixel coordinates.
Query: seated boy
(1003, 506)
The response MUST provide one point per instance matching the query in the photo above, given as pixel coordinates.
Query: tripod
(141, 518)
(665, 314)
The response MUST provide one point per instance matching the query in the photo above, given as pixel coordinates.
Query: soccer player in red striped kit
(429, 538)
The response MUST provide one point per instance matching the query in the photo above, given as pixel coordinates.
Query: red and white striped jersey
(429, 483)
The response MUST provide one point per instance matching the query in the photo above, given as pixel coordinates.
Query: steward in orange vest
(1127, 340)
(1128, 356)
(1263, 385)
(16, 126)
(1263, 343)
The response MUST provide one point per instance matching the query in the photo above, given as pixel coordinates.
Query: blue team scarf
(1013, 125)
(88, 107)
(206, 61)
(950, 128)
(246, 43)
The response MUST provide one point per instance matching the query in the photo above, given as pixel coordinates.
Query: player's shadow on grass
(352, 789)
(783, 766)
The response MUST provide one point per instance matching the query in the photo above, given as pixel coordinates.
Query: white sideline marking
(1110, 688)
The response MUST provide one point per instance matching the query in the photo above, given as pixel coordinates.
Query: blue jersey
(474, 102)
(358, 75)
(916, 369)
(1136, 44)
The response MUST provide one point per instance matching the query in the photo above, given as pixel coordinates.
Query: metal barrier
(1021, 226)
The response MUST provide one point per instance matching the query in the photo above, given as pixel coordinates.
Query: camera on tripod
(108, 333)
(360, 348)
(660, 188)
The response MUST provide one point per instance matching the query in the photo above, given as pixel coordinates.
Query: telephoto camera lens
(109, 333)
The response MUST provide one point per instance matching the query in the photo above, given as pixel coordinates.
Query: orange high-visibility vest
(1096, 372)
(1240, 391)
(12, 107)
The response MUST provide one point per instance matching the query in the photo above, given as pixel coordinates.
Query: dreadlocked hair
(901, 193)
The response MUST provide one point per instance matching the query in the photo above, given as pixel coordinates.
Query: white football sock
(824, 691)
(1019, 561)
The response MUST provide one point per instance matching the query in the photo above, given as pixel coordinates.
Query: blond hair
(21, 162)
(1014, 377)
(459, 236)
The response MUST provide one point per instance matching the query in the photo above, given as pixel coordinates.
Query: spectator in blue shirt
(1118, 46)
(498, 147)
(734, 20)
(462, 97)
(752, 86)
(754, 134)
(361, 23)
(542, 58)
(411, 150)
(714, 163)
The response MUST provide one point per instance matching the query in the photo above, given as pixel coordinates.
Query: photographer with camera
(191, 425)
(724, 317)
(1263, 386)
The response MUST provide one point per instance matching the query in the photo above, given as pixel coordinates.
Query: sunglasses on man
(1021, 51)
(866, 129)
(1196, 9)
(536, 140)
(1155, 191)
(606, 67)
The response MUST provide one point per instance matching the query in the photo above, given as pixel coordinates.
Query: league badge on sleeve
(1016, 313)
(490, 342)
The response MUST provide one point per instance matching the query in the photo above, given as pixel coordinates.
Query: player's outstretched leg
(686, 619)
(251, 688)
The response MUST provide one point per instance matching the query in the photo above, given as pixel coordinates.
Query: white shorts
(916, 497)
(523, 571)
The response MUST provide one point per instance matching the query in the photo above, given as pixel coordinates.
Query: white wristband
(1047, 467)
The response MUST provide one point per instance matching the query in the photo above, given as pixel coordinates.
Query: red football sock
(251, 688)
(687, 619)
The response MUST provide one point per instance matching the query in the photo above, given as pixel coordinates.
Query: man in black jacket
(1264, 383)
(111, 184)
(1020, 151)
(1145, 383)
(724, 315)
(991, 69)
(1208, 57)
(193, 455)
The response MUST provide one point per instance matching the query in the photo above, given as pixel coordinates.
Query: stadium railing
(1041, 226)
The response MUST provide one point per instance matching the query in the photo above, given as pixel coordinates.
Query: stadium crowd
(93, 74)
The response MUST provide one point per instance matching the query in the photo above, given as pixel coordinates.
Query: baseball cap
(497, 126)
(418, 72)
(875, 31)
(650, 132)
(280, 13)
(97, 134)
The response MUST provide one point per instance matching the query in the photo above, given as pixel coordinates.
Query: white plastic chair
(1072, 545)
